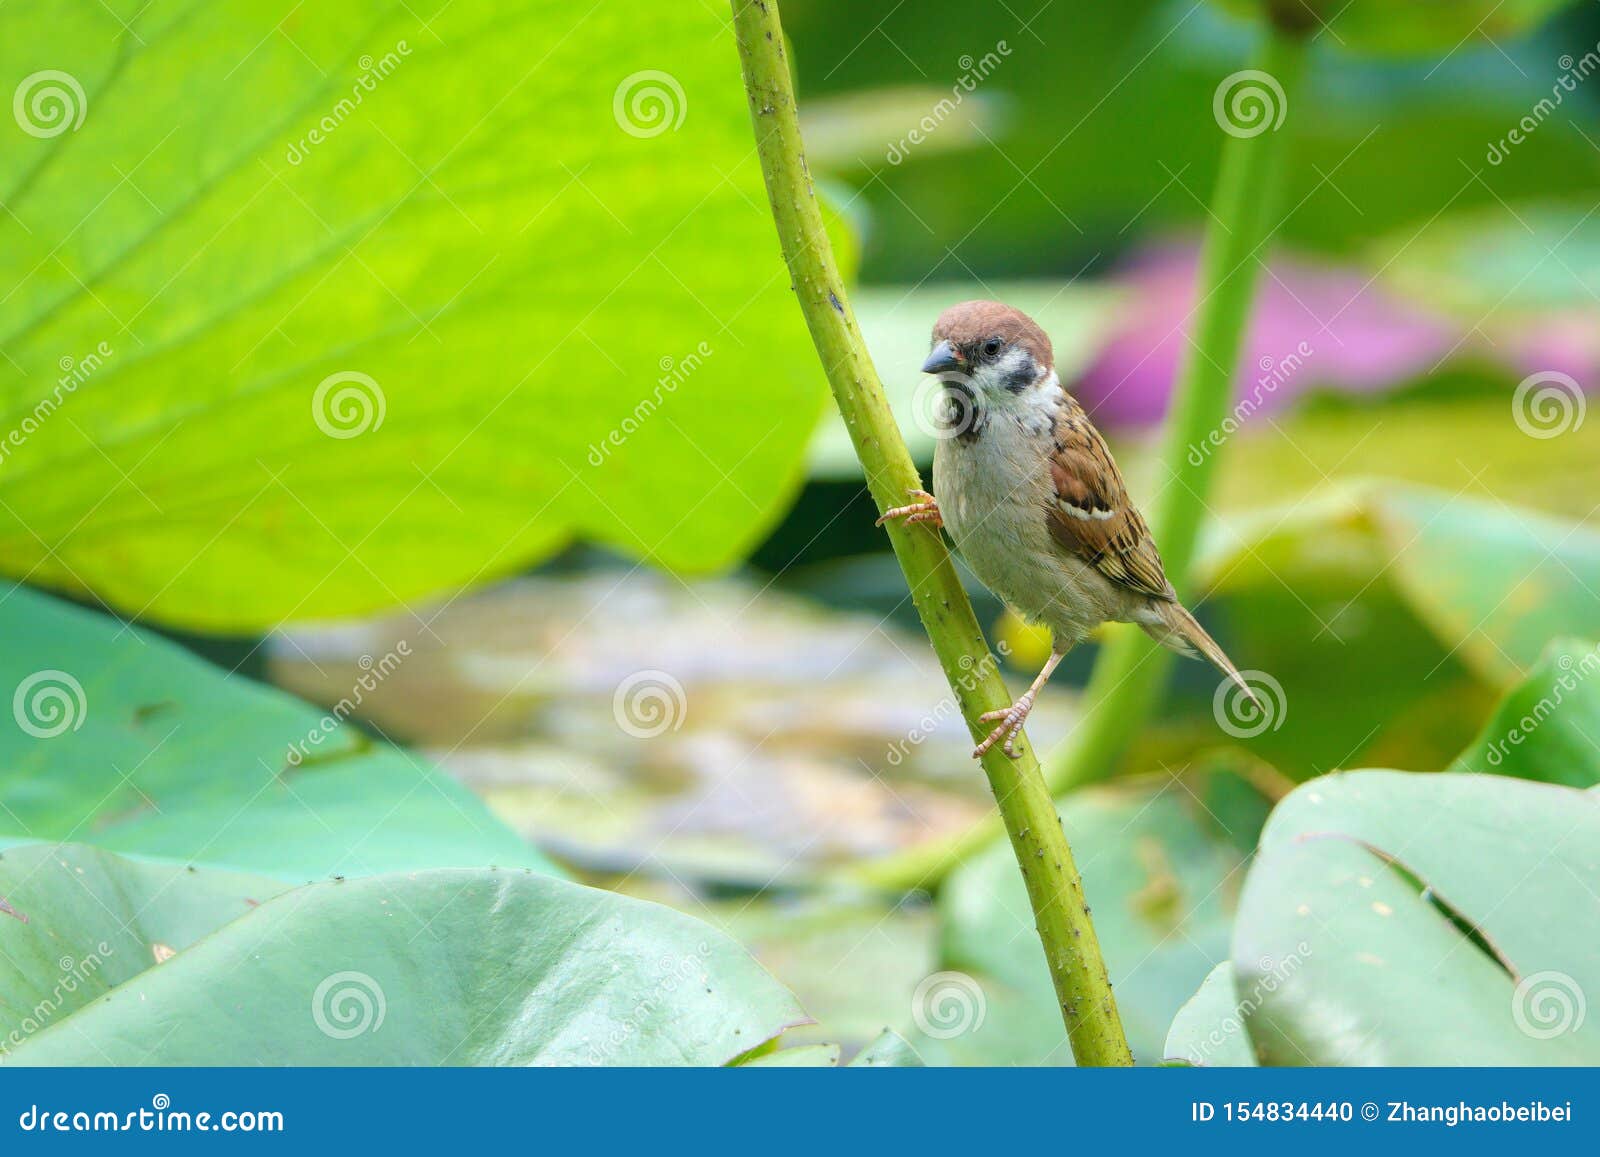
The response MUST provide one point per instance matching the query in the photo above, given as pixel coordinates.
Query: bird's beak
(942, 358)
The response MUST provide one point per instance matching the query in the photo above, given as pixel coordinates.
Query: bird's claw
(927, 510)
(1010, 723)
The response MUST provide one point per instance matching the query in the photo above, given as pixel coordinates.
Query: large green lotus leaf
(889, 1051)
(1492, 582)
(1546, 728)
(76, 922)
(352, 300)
(119, 738)
(1209, 1029)
(854, 962)
(1455, 433)
(1159, 871)
(1405, 26)
(1391, 616)
(1401, 919)
(443, 967)
(1538, 260)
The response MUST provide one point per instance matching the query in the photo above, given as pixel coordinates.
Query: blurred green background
(1398, 534)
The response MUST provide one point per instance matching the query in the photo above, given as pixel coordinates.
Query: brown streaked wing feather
(1092, 516)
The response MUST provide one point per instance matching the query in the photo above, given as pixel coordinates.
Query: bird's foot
(1010, 723)
(925, 511)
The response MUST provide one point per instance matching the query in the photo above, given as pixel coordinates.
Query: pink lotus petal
(1314, 325)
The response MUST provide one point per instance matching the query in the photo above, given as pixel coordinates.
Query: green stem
(1130, 673)
(1055, 891)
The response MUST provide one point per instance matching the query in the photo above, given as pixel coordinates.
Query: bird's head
(991, 349)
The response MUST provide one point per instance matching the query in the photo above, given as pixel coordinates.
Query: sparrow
(1030, 495)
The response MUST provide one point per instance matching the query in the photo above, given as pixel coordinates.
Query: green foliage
(1392, 616)
(78, 921)
(1380, 145)
(1159, 856)
(1532, 263)
(1209, 1029)
(1403, 26)
(1422, 919)
(124, 740)
(1544, 728)
(442, 967)
(1393, 918)
(516, 253)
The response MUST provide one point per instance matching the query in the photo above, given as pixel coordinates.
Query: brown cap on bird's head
(968, 325)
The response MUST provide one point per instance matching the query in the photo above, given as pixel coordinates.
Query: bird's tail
(1175, 628)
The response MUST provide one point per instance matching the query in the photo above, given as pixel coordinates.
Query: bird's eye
(991, 348)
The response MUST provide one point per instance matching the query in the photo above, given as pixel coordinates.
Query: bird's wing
(1092, 516)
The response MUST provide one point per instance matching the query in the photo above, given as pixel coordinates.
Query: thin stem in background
(1055, 892)
(1130, 673)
